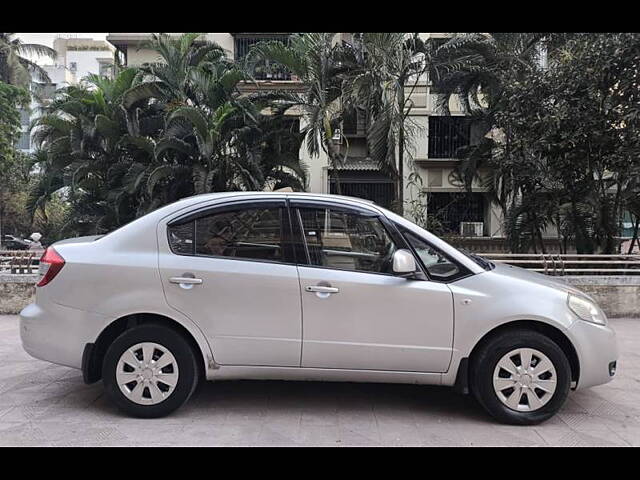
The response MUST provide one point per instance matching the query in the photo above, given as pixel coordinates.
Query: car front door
(228, 268)
(356, 313)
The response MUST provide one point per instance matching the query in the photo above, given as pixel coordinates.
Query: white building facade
(76, 58)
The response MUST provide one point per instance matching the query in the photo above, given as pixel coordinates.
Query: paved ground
(45, 404)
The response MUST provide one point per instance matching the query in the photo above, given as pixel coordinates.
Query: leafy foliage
(561, 146)
(119, 148)
(15, 68)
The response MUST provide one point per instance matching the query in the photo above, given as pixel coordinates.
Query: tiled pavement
(45, 404)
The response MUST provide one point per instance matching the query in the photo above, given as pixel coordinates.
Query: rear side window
(181, 238)
(252, 233)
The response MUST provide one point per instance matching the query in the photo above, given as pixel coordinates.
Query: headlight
(586, 310)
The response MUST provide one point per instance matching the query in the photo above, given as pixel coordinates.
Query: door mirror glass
(403, 262)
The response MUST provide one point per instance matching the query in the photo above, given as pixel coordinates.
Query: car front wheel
(149, 371)
(521, 377)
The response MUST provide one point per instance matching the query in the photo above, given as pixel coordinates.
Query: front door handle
(186, 282)
(321, 289)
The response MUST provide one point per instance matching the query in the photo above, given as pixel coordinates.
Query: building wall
(135, 45)
(82, 56)
(87, 54)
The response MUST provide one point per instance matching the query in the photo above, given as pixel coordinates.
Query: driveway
(45, 404)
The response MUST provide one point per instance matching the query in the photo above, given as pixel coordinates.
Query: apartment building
(471, 214)
(76, 58)
(82, 56)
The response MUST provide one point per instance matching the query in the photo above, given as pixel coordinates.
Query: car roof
(326, 196)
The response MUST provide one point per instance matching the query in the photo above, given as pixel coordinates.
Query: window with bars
(24, 142)
(377, 190)
(263, 69)
(25, 117)
(354, 123)
(47, 90)
(447, 135)
(452, 208)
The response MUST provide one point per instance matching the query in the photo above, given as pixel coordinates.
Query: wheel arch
(94, 353)
(554, 333)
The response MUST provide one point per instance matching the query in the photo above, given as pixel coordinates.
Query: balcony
(263, 70)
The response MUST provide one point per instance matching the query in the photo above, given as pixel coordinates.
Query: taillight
(50, 264)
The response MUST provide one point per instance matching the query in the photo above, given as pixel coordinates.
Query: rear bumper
(59, 334)
(597, 348)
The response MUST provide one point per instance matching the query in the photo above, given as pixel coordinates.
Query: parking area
(45, 404)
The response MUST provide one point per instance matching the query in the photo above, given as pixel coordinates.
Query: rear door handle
(321, 289)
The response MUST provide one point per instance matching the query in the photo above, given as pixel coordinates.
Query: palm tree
(181, 62)
(121, 147)
(321, 65)
(15, 68)
(210, 126)
(390, 68)
(88, 144)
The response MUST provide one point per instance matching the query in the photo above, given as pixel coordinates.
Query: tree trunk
(636, 226)
(336, 179)
(334, 156)
(559, 234)
(400, 182)
(583, 244)
(1, 217)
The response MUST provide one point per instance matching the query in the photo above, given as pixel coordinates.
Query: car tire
(161, 390)
(534, 396)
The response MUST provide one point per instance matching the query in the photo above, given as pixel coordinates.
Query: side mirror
(403, 262)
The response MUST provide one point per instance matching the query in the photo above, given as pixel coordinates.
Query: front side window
(346, 240)
(252, 233)
(438, 266)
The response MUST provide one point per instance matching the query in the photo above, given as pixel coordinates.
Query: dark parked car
(11, 242)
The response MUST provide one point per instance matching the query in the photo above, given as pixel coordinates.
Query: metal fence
(27, 262)
(570, 264)
(20, 261)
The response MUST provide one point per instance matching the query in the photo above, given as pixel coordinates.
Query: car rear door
(229, 268)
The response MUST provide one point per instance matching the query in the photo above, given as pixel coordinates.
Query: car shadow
(275, 397)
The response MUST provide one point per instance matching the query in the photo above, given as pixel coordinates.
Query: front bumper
(58, 334)
(597, 348)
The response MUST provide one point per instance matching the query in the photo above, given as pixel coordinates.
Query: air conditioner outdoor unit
(471, 229)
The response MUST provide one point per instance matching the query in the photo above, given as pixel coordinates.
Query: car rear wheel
(521, 377)
(149, 371)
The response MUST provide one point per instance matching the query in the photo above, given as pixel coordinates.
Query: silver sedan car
(257, 285)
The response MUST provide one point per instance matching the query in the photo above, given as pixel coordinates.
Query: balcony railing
(263, 69)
